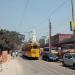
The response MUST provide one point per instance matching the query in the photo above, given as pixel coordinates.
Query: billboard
(72, 25)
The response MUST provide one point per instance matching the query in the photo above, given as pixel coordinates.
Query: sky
(33, 15)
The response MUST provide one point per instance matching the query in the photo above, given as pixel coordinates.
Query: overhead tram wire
(54, 11)
(60, 6)
(24, 12)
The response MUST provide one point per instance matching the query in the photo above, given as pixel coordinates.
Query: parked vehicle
(69, 60)
(49, 57)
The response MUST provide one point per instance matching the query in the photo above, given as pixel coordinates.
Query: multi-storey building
(58, 38)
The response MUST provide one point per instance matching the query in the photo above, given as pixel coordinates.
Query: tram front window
(35, 47)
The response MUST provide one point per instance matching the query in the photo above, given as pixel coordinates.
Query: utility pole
(73, 22)
(49, 36)
(72, 10)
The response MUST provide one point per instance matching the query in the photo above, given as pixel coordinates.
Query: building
(62, 43)
(59, 38)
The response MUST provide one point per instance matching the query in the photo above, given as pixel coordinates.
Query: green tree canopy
(42, 41)
(10, 39)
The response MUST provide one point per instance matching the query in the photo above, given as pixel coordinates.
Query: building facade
(58, 38)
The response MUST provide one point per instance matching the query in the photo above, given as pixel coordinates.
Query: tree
(10, 39)
(42, 41)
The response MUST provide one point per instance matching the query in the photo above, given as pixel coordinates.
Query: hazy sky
(27, 15)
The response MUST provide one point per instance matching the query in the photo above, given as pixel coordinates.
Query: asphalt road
(40, 67)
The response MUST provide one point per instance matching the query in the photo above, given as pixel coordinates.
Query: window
(46, 49)
(35, 47)
(68, 56)
(73, 55)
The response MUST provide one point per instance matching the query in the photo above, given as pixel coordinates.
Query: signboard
(72, 26)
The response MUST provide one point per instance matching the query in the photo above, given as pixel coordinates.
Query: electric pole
(72, 10)
(73, 22)
(49, 36)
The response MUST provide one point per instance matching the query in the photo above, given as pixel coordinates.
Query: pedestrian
(13, 55)
(0, 61)
(16, 53)
(0, 56)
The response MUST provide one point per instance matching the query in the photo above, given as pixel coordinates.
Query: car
(69, 60)
(49, 57)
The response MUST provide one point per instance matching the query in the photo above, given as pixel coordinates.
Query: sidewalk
(11, 68)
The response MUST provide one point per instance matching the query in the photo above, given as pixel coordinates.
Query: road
(40, 67)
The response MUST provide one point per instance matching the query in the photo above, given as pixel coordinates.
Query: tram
(31, 49)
